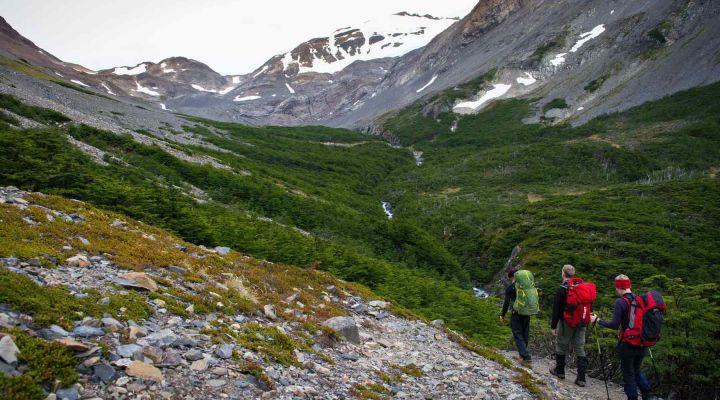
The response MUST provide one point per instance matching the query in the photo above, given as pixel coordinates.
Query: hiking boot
(559, 369)
(582, 364)
(526, 363)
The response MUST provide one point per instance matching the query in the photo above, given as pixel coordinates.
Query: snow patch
(107, 89)
(388, 209)
(292, 91)
(580, 108)
(612, 12)
(162, 105)
(264, 68)
(246, 98)
(396, 35)
(427, 84)
(527, 80)
(142, 89)
(235, 79)
(58, 74)
(497, 91)
(226, 90)
(587, 36)
(79, 83)
(202, 89)
(558, 60)
(137, 70)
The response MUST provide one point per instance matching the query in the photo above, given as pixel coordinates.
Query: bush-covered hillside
(633, 192)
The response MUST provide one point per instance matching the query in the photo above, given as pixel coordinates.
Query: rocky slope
(149, 316)
(596, 57)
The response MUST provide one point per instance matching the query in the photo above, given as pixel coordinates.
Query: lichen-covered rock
(345, 327)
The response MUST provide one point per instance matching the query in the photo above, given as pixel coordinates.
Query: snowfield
(142, 89)
(527, 80)
(497, 91)
(411, 32)
(137, 70)
(79, 83)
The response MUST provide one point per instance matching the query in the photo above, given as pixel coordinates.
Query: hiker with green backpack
(524, 295)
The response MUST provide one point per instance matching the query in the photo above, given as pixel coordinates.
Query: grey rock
(87, 331)
(171, 359)
(104, 372)
(216, 383)
(165, 337)
(345, 327)
(225, 351)
(223, 251)
(68, 394)
(8, 370)
(8, 350)
(176, 269)
(193, 355)
(128, 350)
(269, 311)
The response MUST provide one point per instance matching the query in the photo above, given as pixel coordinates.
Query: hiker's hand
(593, 318)
(553, 332)
(502, 319)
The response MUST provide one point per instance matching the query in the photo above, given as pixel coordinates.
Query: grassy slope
(328, 191)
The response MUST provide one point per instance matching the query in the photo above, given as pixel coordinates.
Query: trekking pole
(602, 364)
(657, 375)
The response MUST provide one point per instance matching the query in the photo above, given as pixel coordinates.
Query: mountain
(596, 57)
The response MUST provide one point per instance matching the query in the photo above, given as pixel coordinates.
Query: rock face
(345, 327)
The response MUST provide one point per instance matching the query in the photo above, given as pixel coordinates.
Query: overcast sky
(232, 36)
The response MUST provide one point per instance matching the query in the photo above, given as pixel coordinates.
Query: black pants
(520, 326)
(631, 359)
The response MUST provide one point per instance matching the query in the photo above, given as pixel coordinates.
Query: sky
(231, 36)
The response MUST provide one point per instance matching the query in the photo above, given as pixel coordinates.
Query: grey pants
(570, 339)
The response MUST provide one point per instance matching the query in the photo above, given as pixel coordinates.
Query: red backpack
(645, 319)
(578, 306)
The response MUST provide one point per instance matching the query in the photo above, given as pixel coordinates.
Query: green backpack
(526, 302)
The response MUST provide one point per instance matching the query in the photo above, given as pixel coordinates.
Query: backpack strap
(633, 309)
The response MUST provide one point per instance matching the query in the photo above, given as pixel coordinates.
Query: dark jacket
(621, 314)
(510, 295)
(559, 305)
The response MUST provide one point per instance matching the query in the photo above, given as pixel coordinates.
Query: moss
(388, 378)
(371, 391)
(48, 364)
(270, 342)
(595, 84)
(49, 305)
(410, 369)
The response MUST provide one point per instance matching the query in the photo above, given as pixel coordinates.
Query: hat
(622, 283)
(512, 272)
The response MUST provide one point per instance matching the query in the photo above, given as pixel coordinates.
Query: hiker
(524, 296)
(631, 356)
(570, 318)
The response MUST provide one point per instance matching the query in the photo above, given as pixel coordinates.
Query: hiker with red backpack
(639, 320)
(571, 316)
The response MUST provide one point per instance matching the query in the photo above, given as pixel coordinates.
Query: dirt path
(559, 389)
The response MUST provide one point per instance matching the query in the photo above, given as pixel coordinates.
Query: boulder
(345, 327)
(137, 280)
(223, 251)
(8, 350)
(104, 373)
(225, 351)
(269, 311)
(87, 331)
(142, 370)
(78, 260)
(128, 350)
(199, 365)
(67, 394)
